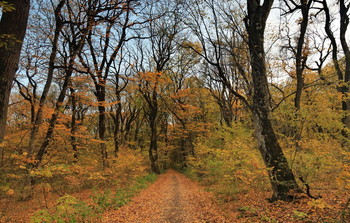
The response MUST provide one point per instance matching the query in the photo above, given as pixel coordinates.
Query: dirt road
(172, 198)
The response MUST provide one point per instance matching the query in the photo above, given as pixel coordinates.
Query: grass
(71, 209)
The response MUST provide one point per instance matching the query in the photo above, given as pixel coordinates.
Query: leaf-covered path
(172, 198)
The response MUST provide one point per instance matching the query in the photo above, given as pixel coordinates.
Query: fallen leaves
(172, 198)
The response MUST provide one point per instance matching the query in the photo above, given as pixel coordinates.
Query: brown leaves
(173, 198)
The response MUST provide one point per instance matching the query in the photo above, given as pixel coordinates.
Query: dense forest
(250, 99)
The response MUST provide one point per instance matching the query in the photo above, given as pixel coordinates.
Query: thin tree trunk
(15, 24)
(117, 125)
(38, 118)
(74, 126)
(300, 62)
(76, 48)
(343, 77)
(49, 134)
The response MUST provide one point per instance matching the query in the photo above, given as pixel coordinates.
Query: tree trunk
(342, 76)
(15, 24)
(74, 126)
(153, 148)
(227, 115)
(101, 98)
(300, 58)
(344, 22)
(49, 134)
(280, 175)
(38, 118)
(117, 125)
(77, 46)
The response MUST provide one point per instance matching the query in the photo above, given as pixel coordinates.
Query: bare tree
(102, 50)
(299, 51)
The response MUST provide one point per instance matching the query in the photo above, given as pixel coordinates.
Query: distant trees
(13, 25)
(163, 31)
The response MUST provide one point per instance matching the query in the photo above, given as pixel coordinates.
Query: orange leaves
(150, 81)
(182, 93)
(103, 103)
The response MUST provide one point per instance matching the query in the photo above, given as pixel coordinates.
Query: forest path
(172, 198)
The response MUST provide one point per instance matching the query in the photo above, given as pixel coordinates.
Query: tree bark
(153, 148)
(344, 22)
(101, 98)
(280, 175)
(74, 126)
(117, 124)
(300, 59)
(12, 23)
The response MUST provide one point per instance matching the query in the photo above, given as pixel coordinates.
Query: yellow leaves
(97, 176)
(14, 176)
(43, 173)
(196, 46)
(6, 6)
(7, 190)
(319, 203)
(50, 171)
(343, 179)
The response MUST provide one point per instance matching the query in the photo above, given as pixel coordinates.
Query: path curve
(172, 198)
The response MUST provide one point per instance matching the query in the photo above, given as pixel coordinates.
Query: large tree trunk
(15, 24)
(280, 175)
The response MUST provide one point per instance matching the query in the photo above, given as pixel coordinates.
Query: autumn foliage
(109, 95)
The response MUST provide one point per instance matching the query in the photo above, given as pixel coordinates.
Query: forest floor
(175, 198)
(172, 198)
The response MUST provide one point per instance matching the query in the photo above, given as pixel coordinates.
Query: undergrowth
(70, 209)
